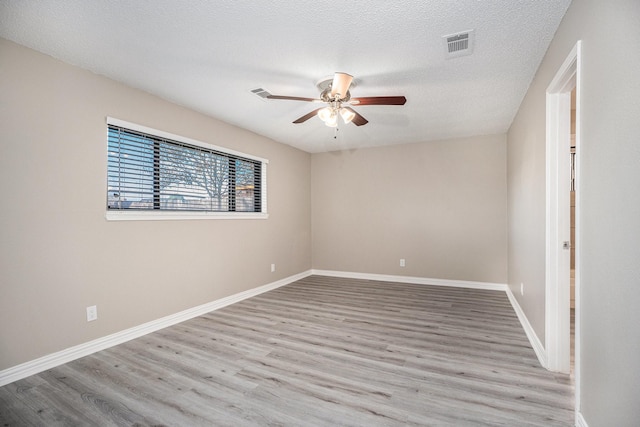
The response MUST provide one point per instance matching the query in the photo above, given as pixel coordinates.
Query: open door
(558, 221)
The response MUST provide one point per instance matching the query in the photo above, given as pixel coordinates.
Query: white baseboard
(413, 280)
(528, 329)
(49, 361)
(580, 421)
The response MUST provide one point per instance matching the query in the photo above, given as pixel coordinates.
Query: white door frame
(557, 309)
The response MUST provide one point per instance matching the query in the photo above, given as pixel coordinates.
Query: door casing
(557, 274)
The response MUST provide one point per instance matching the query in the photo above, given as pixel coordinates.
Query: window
(155, 175)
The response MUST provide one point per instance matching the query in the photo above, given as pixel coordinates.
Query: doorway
(559, 257)
(572, 224)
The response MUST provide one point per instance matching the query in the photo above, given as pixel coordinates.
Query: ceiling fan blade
(307, 116)
(379, 100)
(292, 98)
(358, 120)
(341, 83)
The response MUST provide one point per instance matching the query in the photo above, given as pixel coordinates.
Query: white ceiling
(208, 55)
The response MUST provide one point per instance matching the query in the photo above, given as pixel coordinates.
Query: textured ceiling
(208, 56)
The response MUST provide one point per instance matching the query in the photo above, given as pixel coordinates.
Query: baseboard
(528, 329)
(413, 280)
(33, 367)
(580, 421)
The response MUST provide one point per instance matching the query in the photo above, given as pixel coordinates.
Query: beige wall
(440, 205)
(609, 203)
(59, 255)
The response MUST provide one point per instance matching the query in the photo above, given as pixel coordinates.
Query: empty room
(319, 213)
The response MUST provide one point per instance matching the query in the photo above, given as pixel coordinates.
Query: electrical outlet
(92, 313)
(402, 262)
(273, 268)
(521, 288)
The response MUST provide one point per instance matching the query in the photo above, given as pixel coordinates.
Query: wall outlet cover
(92, 313)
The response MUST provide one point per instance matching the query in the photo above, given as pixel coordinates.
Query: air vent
(262, 93)
(459, 44)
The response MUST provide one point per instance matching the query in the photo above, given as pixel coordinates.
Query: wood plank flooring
(318, 352)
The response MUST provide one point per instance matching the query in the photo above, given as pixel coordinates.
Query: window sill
(167, 216)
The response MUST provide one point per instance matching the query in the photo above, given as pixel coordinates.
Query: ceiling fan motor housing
(325, 96)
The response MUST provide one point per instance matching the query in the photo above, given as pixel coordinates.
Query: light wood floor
(319, 352)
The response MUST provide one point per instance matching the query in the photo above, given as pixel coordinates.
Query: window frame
(158, 214)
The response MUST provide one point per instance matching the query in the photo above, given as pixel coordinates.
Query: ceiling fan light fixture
(332, 121)
(347, 115)
(324, 113)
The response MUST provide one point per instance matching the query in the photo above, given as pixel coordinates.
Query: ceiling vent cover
(459, 44)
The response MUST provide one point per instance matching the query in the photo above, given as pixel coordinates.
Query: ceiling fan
(335, 92)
